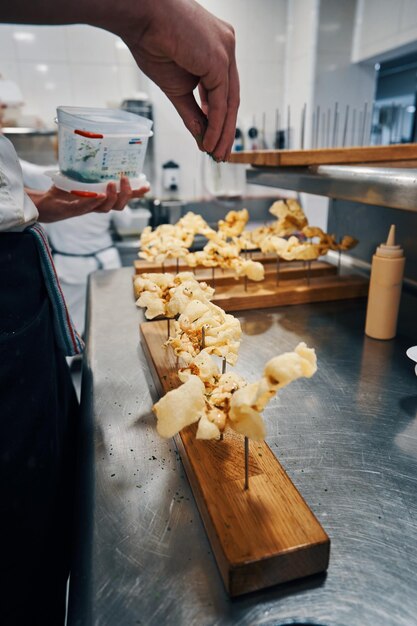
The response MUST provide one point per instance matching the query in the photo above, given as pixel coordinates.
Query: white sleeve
(34, 175)
(16, 208)
(122, 219)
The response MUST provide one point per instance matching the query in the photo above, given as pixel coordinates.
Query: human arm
(55, 204)
(177, 43)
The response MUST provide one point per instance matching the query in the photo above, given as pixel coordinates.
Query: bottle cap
(390, 249)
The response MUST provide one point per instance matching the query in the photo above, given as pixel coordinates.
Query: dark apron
(38, 415)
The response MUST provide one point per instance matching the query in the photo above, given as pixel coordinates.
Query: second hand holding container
(385, 289)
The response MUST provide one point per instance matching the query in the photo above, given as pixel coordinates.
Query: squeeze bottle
(385, 289)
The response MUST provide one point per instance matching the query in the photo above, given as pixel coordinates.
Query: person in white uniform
(38, 405)
(80, 245)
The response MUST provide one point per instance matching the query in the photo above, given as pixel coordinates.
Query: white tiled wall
(80, 65)
(383, 27)
(300, 64)
(72, 65)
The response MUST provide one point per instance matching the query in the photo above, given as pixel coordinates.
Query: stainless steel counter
(347, 438)
(383, 186)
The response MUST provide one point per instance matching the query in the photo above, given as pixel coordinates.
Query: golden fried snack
(227, 399)
(167, 294)
(222, 332)
(233, 224)
(291, 217)
(347, 243)
(328, 242)
(248, 402)
(226, 254)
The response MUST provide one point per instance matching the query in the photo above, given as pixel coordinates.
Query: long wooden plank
(268, 294)
(218, 278)
(295, 286)
(260, 537)
(299, 158)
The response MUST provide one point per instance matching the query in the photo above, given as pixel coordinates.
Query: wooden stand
(267, 293)
(297, 284)
(322, 156)
(260, 537)
(288, 269)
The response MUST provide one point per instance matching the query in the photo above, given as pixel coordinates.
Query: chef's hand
(56, 205)
(177, 43)
(180, 46)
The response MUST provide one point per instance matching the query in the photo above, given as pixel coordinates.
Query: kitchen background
(289, 52)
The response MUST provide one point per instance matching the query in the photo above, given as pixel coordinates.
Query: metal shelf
(381, 186)
(19, 131)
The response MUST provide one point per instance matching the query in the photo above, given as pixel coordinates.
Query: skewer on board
(246, 278)
(223, 372)
(246, 486)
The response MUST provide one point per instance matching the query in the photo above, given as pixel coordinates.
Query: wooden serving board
(267, 293)
(299, 158)
(262, 536)
(287, 271)
(296, 286)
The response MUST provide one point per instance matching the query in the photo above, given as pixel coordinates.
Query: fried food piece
(234, 223)
(328, 242)
(227, 399)
(190, 397)
(291, 217)
(222, 332)
(168, 294)
(347, 243)
(247, 403)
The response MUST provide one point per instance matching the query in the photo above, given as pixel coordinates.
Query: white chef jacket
(17, 210)
(84, 234)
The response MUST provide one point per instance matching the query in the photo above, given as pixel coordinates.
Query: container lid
(90, 189)
(104, 120)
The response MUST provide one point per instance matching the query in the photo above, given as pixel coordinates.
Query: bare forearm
(112, 16)
(34, 195)
(177, 43)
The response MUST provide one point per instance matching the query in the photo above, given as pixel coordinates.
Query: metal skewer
(352, 141)
(276, 143)
(246, 278)
(323, 129)
(212, 278)
(335, 124)
(316, 143)
(345, 126)
(277, 270)
(168, 327)
(224, 363)
(203, 337)
(329, 115)
(288, 127)
(246, 487)
(303, 125)
(313, 130)
(364, 123)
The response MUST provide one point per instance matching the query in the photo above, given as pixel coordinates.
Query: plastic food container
(99, 145)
